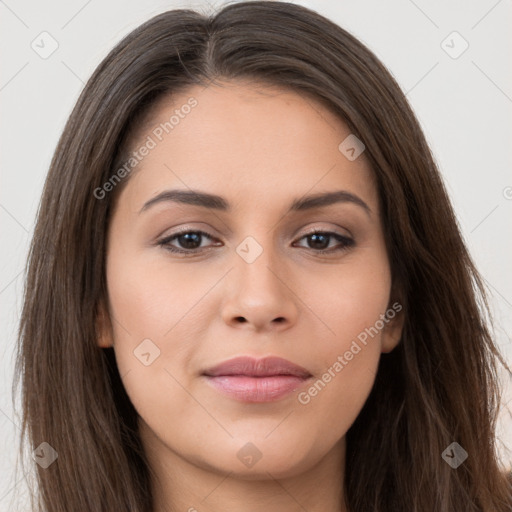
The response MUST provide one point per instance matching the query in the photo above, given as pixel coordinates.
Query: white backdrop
(449, 57)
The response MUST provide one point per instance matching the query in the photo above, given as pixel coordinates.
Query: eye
(320, 241)
(190, 241)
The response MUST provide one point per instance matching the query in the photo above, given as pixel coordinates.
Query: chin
(256, 460)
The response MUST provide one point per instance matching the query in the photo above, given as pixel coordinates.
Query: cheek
(334, 399)
(347, 346)
(153, 322)
(348, 302)
(147, 298)
(154, 336)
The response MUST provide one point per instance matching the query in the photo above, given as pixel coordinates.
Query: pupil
(190, 240)
(316, 237)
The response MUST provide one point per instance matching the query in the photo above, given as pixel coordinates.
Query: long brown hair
(437, 387)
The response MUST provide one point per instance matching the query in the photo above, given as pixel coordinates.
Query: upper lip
(251, 367)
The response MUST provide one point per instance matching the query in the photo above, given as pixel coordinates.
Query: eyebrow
(197, 198)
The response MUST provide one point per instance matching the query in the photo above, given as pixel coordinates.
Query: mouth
(257, 380)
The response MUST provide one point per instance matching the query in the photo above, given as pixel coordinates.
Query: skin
(260, 148)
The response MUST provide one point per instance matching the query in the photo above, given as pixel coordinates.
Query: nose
(259, 296)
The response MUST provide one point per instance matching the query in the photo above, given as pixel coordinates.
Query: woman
(247, 288)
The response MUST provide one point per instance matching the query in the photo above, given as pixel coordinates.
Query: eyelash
(347, 242)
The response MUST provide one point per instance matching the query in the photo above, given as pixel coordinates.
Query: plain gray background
(463, 102)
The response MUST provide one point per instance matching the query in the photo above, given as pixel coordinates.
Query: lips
(250, 367)
(246, 379)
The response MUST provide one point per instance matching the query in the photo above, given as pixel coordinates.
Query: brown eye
(320, 241)
(188, 241)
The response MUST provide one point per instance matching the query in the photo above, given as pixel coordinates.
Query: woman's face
(255, 284)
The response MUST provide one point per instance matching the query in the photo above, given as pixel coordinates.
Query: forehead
(257, 144)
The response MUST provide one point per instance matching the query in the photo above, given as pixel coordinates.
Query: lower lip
(256, 389)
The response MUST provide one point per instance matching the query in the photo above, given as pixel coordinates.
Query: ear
(392, 331)
(104, 334)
